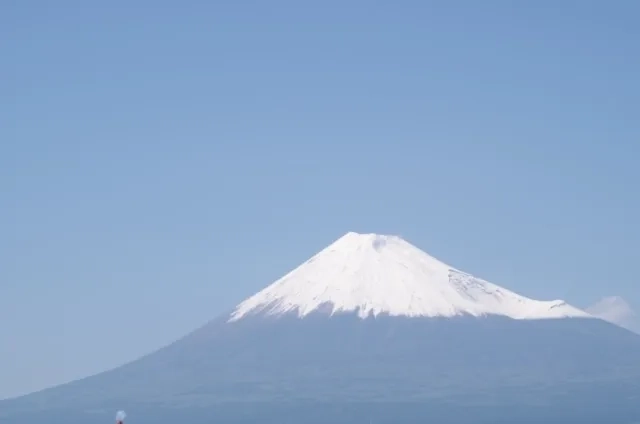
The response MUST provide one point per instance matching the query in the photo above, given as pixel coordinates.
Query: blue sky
(161, 161)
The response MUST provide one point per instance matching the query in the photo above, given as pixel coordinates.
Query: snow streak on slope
(374, 274)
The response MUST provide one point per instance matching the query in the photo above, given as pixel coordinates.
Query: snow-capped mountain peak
(372, 274)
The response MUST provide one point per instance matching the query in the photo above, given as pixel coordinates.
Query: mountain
(372, 274)
(370, 329)
(616, 310)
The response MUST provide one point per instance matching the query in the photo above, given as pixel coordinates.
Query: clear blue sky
(160, 161)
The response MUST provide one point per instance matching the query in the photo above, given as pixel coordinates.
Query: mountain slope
(270, 362)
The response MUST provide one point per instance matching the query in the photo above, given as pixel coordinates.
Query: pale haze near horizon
(160, 162)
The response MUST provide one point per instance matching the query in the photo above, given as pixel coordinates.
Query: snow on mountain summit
(372, 274)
